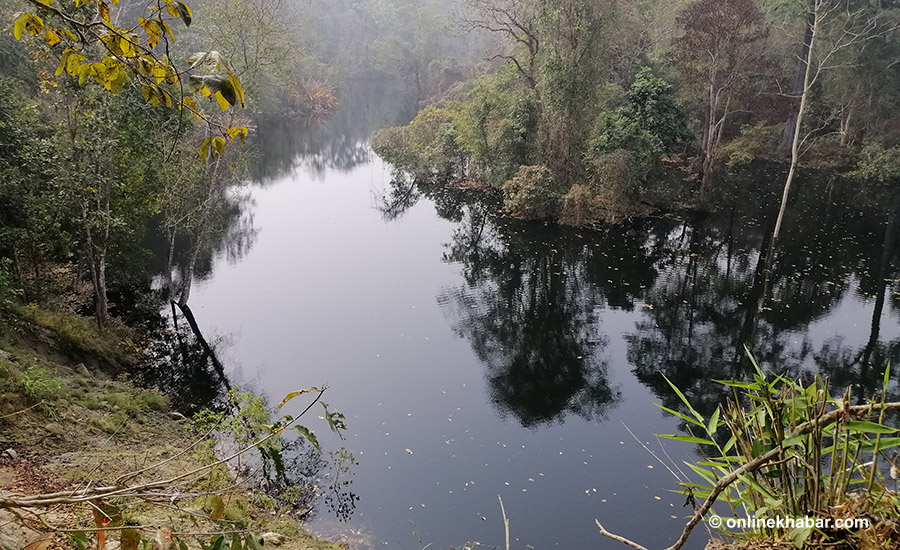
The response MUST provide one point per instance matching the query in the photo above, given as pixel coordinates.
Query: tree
(722, 45)
(833, 30)
(517, 22)
(91, 47)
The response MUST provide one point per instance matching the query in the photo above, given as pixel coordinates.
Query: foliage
(311, 102)
(92, 47)
(9, 290)
(426, 148)
(579, 206)
(756, 142)
(836, 469)
(533, 194)
(497, 127)
(38, 384)
(629, 142)
(880, 164)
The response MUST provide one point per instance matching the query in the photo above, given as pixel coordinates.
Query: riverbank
(70, 418)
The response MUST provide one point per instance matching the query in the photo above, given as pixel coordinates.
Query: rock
(11, 453)
(273, 539)
(177, 416)
(6, 355)
(82, 370)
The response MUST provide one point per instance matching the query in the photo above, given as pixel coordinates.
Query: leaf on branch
(223, 103)
(240, 132)
(297, 393)
(217, 508)
(869, 427)
(309, 436)
(52, 37)
(28, 22)
(103, 9)
(185, 13)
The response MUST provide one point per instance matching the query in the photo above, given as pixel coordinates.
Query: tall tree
(719, 51)
(835, 28)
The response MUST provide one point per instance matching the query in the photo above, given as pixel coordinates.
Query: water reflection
(533, 299)
(342, 143)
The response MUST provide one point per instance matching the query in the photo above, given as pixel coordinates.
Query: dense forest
(599, 110)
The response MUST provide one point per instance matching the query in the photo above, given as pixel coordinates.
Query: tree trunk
(795, 143)
(799, 78)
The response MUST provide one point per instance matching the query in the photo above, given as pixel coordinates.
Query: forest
(593, 111)
(555, 211)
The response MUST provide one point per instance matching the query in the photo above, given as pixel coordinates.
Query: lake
(477, 356)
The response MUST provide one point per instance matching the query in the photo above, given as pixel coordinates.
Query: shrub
(580, 206)
(756, 142)
(426, 148)
(532, 194)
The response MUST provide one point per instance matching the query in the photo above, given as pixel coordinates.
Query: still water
(476, 356)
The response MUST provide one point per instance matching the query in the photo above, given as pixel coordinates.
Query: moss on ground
(69, 424)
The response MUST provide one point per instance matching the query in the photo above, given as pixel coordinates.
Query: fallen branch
(756, 463)
(143, 490)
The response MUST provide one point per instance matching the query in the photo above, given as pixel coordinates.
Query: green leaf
(884, 444)
(686, 439)
(235, 542)
(217, 507)
(79, 540)
(684, 400)
(868, 427)
(737, 384)
(251, 542)
(713, 423)
(679, 415)
(799, 535)
(311, 437)
(729, 444)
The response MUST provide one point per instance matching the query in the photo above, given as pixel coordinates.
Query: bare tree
(721, 44)
(833, 28)
(516, 21)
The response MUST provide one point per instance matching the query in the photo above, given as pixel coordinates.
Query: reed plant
(780, 447)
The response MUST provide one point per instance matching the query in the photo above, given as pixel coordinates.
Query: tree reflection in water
(533, 298)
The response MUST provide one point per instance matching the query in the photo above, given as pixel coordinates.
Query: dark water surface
(475, 356)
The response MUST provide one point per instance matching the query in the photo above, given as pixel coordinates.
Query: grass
(112, 347)
(826, 463)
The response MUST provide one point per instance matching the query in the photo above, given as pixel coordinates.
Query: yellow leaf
(73, 63)
(169, 30)
(62, 61)
(205, 91)
(103, 8)
(173, 10)
(52, 38)
(218, 144)
(238, 89)
(204, 149)
(223, 103)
